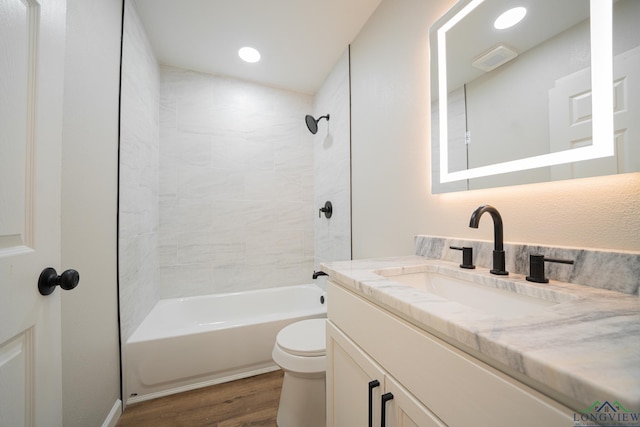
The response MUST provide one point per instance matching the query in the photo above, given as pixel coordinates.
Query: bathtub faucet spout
(319, 273)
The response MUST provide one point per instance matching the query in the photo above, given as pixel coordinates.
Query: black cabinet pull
(372, 384)
(385, 398)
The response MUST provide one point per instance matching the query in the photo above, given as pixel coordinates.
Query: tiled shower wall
(332, 145)
(217, 187)
(236, 186)
(139, 176)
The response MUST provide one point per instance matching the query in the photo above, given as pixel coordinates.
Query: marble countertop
(585, 348)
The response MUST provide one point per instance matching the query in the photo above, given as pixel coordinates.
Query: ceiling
(544, 20)
(299, 40)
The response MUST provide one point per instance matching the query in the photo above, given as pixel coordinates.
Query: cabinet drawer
(458, 388)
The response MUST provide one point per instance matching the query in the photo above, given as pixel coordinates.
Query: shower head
(312, 123)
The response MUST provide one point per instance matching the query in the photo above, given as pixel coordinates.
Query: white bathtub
(186, 343)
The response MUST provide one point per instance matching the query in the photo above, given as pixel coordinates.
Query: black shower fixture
(312, 123)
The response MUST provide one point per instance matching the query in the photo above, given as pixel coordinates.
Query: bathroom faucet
(316, 274)
(498, 239)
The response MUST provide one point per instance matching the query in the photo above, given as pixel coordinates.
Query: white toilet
(300, 352)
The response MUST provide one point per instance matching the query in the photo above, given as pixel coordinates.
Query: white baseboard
(114, 415)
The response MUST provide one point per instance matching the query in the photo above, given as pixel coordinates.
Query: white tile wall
(236, 186)
(217, 186)
(332, 145)
(139, 176)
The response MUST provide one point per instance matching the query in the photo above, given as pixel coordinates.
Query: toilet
(300, 352)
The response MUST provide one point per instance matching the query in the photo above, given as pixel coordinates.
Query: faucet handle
(327, 209)
(536, 267)
(467, 256)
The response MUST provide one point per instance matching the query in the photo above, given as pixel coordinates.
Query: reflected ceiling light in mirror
(510, 18)
(249, 54)
(601, 35)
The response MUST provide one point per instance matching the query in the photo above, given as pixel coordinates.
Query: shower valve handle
(327, 209)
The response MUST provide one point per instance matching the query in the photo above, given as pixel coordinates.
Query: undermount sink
(491, 300)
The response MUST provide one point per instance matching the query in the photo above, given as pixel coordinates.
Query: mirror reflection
(522, 94)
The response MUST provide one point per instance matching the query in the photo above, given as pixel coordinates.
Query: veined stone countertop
(583, 350)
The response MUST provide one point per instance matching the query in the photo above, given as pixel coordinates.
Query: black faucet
(318, 273)
(498, 240)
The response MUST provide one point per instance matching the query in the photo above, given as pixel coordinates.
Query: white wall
(236, 185)
(91, 376)
(508, 108)
(392, 200)
(139, 176)
(332, 157)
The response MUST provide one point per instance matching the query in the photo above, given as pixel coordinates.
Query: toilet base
(302, 400)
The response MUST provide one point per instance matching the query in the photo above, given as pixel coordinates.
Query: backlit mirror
(550, 97)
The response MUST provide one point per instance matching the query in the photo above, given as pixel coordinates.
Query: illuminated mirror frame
(601, 34)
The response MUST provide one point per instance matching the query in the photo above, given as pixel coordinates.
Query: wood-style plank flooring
(243, 403)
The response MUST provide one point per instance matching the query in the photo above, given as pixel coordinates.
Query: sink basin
(495, 301)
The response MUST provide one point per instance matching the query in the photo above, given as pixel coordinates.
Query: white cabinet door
(357, 387)
(404, 410)
(31, 86)
(349, 374)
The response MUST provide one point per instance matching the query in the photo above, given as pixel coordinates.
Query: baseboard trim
(114, 415)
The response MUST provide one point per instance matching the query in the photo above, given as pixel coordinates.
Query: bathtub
(187, 343)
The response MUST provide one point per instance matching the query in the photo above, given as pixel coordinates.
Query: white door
(570, 119)
(31, 87)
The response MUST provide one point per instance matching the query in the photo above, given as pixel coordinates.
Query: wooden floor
(242, 403)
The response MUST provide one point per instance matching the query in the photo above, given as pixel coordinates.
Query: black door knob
(49, 279)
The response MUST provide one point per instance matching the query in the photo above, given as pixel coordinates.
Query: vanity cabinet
(359, 389)
(432, 382)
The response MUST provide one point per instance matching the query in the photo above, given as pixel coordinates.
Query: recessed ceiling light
(510, 18)
(249, 54)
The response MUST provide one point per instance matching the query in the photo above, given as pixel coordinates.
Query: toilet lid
(304, 338)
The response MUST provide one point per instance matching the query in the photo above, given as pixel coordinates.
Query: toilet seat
(301, 348)
(305, 338)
